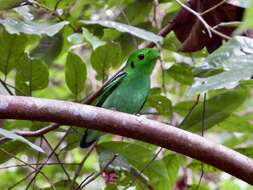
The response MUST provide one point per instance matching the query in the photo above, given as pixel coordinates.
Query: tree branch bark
(68, 113)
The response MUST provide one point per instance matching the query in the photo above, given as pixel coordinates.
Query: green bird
(128, 90)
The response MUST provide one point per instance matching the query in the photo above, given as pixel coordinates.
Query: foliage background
(49, 49)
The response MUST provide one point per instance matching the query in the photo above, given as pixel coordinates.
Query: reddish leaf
(191, 32)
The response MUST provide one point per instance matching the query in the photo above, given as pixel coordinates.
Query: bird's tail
(89, 137)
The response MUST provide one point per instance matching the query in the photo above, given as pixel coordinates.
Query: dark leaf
(191, 32)
(31, 75)
(11, 48)
(48, 48)
(218, 108)
(75, 73)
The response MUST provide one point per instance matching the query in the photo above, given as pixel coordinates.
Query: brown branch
(127, 125)
(39, 132)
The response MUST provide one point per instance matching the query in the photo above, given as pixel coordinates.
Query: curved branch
(127, 125)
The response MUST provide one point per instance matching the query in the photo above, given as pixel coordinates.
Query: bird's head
(142, 60)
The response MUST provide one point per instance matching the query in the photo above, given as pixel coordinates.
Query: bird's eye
(141, 57)
(132, 64)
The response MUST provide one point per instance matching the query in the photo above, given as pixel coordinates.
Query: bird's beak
(157, 55)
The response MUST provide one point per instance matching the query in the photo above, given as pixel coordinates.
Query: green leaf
(93, 40)
(13, 136)
(236, 123)
(11, 146)
(11, 48)
(105, 57)
(218, 108)
(32, 28)
(138, 156)
(181, 73)
(75, 73)
(9, 4)
(140, 33)
(196, 166)
(161, 103)
(172, 165)
(48, 48)
(237, 65)
(32, 74)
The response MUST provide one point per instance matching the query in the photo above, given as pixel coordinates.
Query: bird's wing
(109, 87)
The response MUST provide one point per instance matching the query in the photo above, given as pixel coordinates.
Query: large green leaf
(8, 4)
(232, 58)
(32, 28)
(161, 103)
(13, 136)
(140, 33)
(138, 156)
(32, 74)
(218, 108)
(172, 165)
(75, 73)
(11, 48)
(105, 57)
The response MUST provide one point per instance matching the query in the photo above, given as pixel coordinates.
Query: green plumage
(128, 91)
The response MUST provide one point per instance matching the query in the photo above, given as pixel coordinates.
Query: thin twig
(36, 164)
(57, 4)
(78, 170)
(85, 179)
(190, 112)
(99, 173)
(212, 8)
(42, 173)
(144, 168)
(202, 134)
(57, 157)
(155, 5)
(38, 160)
(6, 87)
(50, 155)
(39, 132)
(20, 181)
